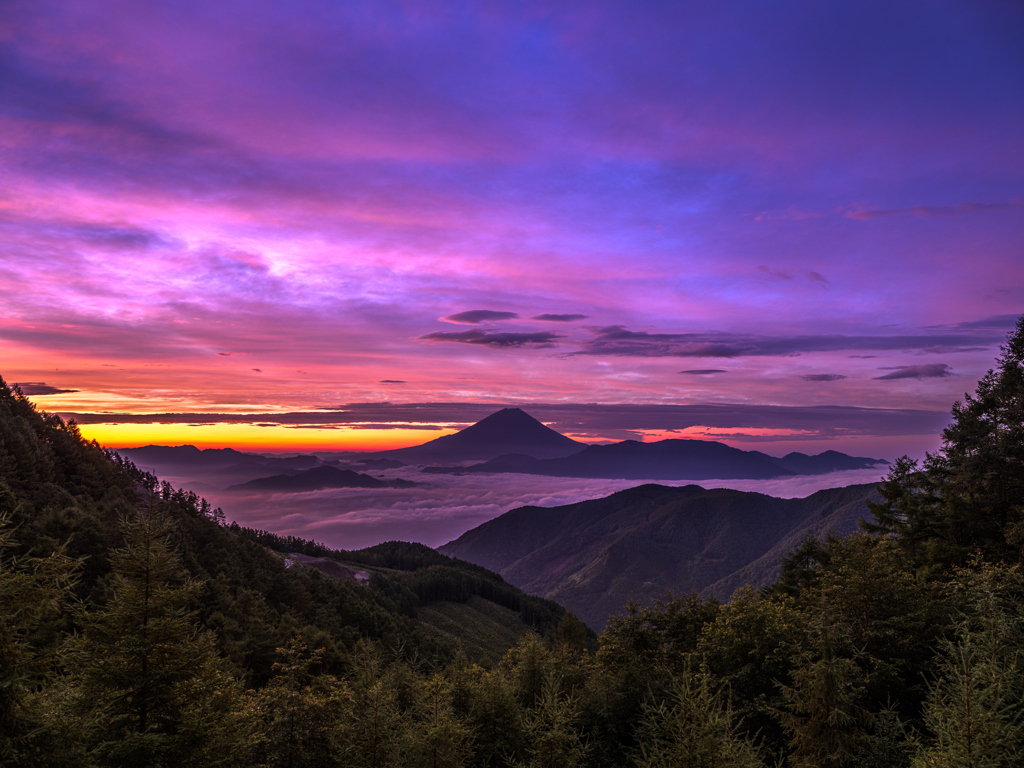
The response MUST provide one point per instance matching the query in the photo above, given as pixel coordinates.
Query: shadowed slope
(594, 556)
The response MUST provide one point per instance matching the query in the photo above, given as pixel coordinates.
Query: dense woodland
(138, 629)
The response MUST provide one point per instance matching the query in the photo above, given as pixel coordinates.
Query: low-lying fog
(447, 506)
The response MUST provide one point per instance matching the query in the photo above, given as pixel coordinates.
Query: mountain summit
(510, 430)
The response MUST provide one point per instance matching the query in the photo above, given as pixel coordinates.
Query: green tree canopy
(970, 494)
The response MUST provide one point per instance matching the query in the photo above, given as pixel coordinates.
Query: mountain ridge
(595, 555)
(672, 459)
(512, 441)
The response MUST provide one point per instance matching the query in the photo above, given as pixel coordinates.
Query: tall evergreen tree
(33, 592)
(374, 740)
(695, 728)
(976, 706)
(980, 468)
(149, 683)
(496, 717)
(301, 714)
(436, 737)
(554, 732)
(970, 495)
(824, 713)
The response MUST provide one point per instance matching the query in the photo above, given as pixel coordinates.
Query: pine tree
(554, 733)
(301, 714)
(981, 465)
(375, 733)
(33, 591)
(496, 718)
(436, 737)
(824, 711)
(148, 682)
(976, 706)
(695, 728)
(970, 495)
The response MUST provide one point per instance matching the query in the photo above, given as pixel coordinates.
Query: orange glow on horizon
(277, 438)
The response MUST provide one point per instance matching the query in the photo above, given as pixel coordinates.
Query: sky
(305, 225)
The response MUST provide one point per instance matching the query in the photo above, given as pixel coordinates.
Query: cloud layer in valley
(435, 515)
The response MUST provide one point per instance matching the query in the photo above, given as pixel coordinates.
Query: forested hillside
(83, 531)
(138, 631)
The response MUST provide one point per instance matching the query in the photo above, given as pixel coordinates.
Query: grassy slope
(477, 627)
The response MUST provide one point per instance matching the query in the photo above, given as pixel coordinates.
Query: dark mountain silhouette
(508, 441)
(213, 468)
(668, 460)
(822, 463)
(186, 455)
(594, 556)
(318, 479)
(510, 430)
(181, 456)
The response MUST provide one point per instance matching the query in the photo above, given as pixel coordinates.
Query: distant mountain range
(509, 440)
(224, 458)
(660, 460)
(594, 556)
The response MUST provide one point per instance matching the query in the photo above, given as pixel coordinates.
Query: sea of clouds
(446, 506)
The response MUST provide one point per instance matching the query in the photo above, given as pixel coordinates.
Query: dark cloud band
(550, 318)
(581, 418)
(495, 338)
(476, 316)
(37, 388)
(617, 340)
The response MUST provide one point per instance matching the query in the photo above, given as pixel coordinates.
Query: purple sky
(267, 209)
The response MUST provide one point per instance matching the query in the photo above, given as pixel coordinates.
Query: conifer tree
(554, 733)
(528, 666)
(33, 591)
(496, 718)
(149, 683)
(824, 715)
(751, 647)
(695, 728)
(436, 736)
(970, 495)
(374, 736)
(980, 468)
(301, 714)
(976, 706)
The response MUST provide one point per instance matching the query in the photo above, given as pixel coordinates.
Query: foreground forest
(137, 628)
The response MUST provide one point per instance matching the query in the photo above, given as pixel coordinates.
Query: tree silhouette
(149, 683)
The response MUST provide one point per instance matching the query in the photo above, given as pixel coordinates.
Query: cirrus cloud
(823, 377)
(554, 318)
(495, 338)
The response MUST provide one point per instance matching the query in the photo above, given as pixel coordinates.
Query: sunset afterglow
(265, 210)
